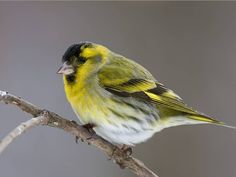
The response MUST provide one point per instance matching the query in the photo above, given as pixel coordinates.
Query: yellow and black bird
(119, 98)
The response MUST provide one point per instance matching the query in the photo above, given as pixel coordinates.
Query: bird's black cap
(74, 50)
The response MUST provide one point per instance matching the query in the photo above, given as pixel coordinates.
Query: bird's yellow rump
(119, 98)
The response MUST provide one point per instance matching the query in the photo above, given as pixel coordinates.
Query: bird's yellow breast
(87, 102)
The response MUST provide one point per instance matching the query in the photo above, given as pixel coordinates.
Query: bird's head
(86, 57)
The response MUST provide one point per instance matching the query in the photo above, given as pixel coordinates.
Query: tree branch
(23, 127)
(45, 117)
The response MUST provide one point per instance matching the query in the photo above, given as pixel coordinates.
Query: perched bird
(118, 98)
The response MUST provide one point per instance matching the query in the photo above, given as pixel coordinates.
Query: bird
(119, 99)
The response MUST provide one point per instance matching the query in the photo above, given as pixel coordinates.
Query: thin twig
(23, 127)
(45, 117)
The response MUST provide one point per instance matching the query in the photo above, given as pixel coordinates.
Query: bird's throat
(70, 79)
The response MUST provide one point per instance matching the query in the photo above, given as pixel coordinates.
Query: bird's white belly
(122, 136)
(128, 134)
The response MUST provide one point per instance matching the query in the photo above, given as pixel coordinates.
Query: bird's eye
(81, 60)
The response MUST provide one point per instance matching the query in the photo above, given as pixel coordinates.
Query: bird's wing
(149, 91)
(132, 80)
(126, 78)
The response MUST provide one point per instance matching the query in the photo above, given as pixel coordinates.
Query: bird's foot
(113, 153)
(127, 149)
(89, 127)
(76, 137)
(74, 122)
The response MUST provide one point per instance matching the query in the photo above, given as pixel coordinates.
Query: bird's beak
(66, 69)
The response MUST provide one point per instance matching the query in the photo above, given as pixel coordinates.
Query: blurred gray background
(188, 46)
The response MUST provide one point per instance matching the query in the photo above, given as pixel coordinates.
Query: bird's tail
(206, 119)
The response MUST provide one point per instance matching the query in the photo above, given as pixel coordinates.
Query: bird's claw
(74, 122)
(112, 153)
(127, 150)
(89, 127)
(76, 137)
